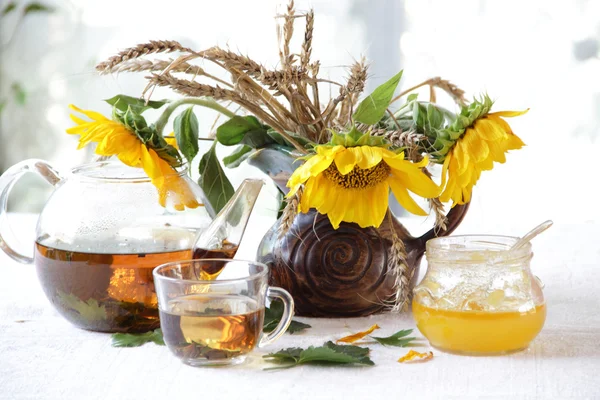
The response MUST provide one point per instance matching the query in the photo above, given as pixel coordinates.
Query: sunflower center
(358, 178)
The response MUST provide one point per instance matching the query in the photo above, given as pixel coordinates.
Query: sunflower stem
(164, 118)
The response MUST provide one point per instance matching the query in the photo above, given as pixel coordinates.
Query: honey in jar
(478, 298)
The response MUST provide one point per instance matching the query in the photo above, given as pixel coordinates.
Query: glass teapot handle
(7, 181)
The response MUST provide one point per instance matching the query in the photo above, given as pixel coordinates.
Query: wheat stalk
(287, 59)
(441, 220)
(354, 86)
(289, 213)
(140, 64)
(153, 46)
(457, 94)
(308, 37)
(399, 138)
(399, 267)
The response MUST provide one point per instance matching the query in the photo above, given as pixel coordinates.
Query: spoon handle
(531, 234)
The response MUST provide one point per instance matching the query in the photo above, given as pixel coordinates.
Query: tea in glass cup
(212, 310)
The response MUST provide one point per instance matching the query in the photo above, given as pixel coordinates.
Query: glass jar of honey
(477, 297)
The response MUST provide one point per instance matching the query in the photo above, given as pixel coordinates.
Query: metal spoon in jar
(531, 234)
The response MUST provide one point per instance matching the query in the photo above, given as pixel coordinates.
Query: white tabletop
(42, 356)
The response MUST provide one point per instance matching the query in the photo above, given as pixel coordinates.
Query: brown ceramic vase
(343, 272)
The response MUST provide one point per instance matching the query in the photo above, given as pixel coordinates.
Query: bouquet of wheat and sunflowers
(352, 149)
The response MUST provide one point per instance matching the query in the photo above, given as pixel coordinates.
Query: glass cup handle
(7, 181)
(286, 318)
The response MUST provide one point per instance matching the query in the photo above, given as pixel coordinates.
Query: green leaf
(89, 310)
(134, 121)
(122, 102)
(137, 339)
(37, 7)
(238, 156)
(325, 355)
(19, 93)
(8, 8)
(419, 115)
(276, 136)
(2, 105)
(360, 353)
(412, 97)
(186, 133)
(273, 315)
(372, 108)
(328, 354)
(398, 339)
(435, 118)
(213, 181)
(246, 130)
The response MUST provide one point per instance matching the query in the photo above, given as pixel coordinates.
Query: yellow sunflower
(115, 139)
(486, 141)
(352, 184)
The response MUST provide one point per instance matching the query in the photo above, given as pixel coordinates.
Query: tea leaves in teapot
(89, 310)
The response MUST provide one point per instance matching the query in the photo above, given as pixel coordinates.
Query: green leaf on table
(8, 8)
(373, 107)
(213, 181)
(37, 7)
(273, 315)
(398, 339)
(243, 130)
(361, 353)
(122, 102)
(186, 133)
(239, 155)
(19, 93)
(90, 310)
(137, 339)
(327, 355)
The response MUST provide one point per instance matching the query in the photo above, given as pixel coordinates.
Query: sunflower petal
(404, 198)
(345, 161)
(477, 147)
(509, 114)
(371, 156)
(379, 196)
(337, 213)
(88, 113)
(514, 142)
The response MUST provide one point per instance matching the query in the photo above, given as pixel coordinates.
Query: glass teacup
(212, 310)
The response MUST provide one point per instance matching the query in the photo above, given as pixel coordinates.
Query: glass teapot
(478, 297)
(101, 233)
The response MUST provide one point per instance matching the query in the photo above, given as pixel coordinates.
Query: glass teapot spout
(223, 236)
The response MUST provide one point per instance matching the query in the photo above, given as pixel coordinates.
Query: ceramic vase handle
(7, 181)
(286, 318)
(454, 218)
